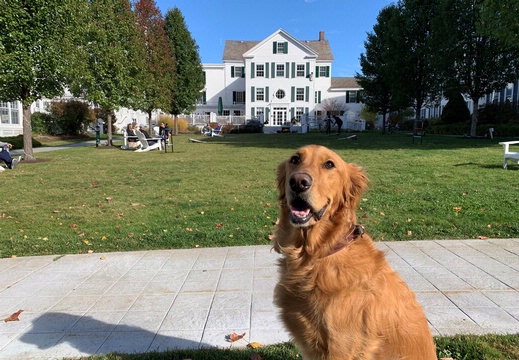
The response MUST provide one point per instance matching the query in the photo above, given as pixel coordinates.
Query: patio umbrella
(220, 106)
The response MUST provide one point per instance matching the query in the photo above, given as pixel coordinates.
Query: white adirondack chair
(145, 146)
(509, 155)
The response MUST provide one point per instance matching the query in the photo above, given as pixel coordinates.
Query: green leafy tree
(499, 20)
(158, 75)
(109, 57)
(33, 54)
(413, 56)
(377, 78)
(189, 75)
(469, 61)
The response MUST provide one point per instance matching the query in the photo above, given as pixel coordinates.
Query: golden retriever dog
(338, 296)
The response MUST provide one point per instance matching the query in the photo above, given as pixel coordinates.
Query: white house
(281, 80)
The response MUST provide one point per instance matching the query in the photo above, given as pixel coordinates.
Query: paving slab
(134, 302)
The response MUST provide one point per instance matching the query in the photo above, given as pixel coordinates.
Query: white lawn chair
(213, 132)
(145, 146)
(509, 155)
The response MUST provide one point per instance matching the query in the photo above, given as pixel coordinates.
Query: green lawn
(223, 193)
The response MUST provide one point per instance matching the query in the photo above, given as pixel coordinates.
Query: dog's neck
(355, 231)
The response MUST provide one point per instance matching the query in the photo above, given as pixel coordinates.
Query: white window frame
(280, 70)
(300, 94)
(300, 70)
(322, 71)
(260, 70)
(260, 94)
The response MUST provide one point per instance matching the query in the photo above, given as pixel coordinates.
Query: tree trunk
(150, 127)
(474, 122)
(109, 128)
(27, 133)
(176, 125)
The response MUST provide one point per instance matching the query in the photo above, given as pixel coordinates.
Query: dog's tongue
(299, 213)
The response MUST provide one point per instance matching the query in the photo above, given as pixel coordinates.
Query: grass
(460, 347)
(223, 193)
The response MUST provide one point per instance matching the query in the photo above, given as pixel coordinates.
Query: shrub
(503, 113)
(17, 141)
(42, 123)
(72, 116)
(456, 110)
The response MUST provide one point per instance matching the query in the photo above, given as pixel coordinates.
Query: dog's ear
(354, 188)
(281, 180)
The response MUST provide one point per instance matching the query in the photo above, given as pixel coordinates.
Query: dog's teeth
(300, 213)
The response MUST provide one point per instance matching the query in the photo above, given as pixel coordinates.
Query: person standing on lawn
(338, 122)
(6, 157)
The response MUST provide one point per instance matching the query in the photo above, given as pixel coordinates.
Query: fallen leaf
(94, 184)
(73, 226)
(56, 211)
(409, 232)
(457, 208)
(254, 345)
(134, 204)
(219, 226)
(382, 214)
(119, 215)
(87, 242)
(14, 316)
(90, 251)
(103, 238)
(117, 226)
(102, 258)
(81, 234)
(234, 337)
(108, 199)
(482, 238)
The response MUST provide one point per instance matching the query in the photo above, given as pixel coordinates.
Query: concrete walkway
(78, 305)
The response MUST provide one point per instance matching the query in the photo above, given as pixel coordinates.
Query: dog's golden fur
(338, 296)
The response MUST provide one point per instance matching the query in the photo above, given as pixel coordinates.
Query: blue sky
(345, 23)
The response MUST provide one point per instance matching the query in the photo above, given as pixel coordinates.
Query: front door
(279, 116)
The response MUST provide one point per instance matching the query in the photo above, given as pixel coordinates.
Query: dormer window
(280, 47)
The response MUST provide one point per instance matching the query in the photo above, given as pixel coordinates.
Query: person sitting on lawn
(6, 157)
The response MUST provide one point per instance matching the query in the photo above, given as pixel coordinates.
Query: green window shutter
(307, 69)
(306, 111)
(252, 70)
(204, 97)
(347, 97)
(267, 114)
(252, 93)
(232, 71)
(287, 70)
(317, 71)
(292, 113)
(274, 47)
(307, 93)
(266, 70)
(293, 94)
(293, 70)
(327, 71)
(273, 70)
(285, 48)
(243, 71)
(252, 111)
(358, 96)
(234, 97)
(266, 93)
(319, 97)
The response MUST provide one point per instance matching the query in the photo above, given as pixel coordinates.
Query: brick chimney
(321, 35)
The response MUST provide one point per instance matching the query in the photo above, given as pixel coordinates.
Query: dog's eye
(329, 165)
(294, 160)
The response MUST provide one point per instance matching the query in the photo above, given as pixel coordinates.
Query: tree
(499, 20)
(473, 63)
(189, 75)
(32, 54)
(109, 56)
(414, 54)
(334, 107)
(158, 75)
(377, 78)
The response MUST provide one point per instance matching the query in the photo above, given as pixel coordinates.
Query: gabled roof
(344, 83)
(235, 49)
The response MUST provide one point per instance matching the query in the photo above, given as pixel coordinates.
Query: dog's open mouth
(301, 212)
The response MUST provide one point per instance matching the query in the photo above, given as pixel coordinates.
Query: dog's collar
(356, 230)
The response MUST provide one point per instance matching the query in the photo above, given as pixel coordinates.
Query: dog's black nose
(300, 182)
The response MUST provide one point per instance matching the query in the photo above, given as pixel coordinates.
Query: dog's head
(316, 184)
